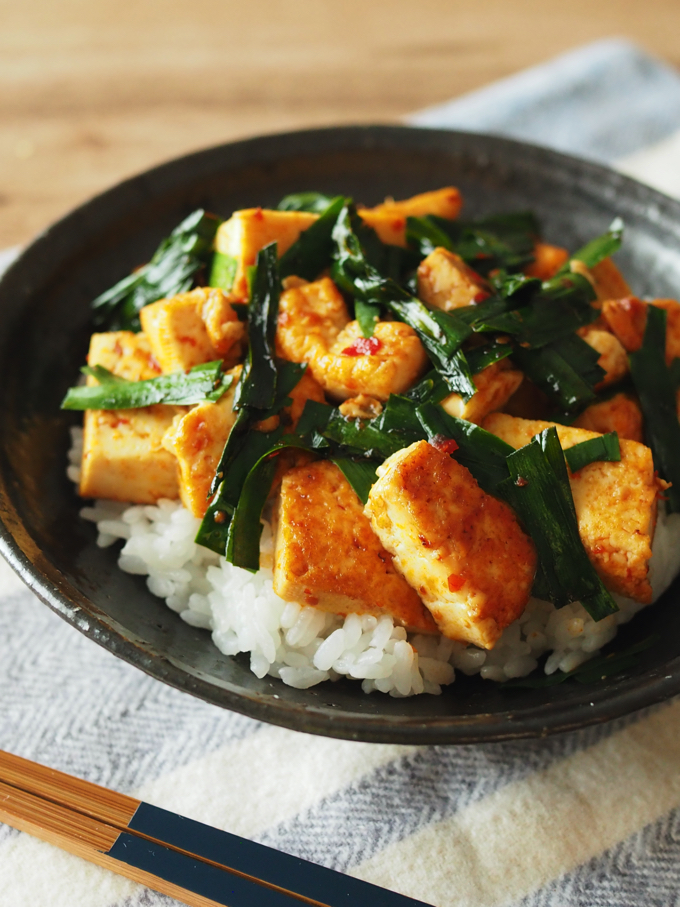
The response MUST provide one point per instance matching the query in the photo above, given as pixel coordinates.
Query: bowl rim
(59, 595)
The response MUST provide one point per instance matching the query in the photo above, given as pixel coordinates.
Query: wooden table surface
(92, 91)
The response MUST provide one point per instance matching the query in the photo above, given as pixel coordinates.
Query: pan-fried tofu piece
(306, 389)
(225, 331)
(311, 316)
(247, 231)
(328, 556)
(445, 202)
(547, 261)
(124, 353)
(191, 328)
(615, 504)
(627, 318)
(613, 357)
(389, 225)
(446, 282)
(197, 440)
(606, 278)
(389, 219)
(123, 456)
(392, 364)
(460, 548)
(621, 413)
(495, 385)
(609, 281)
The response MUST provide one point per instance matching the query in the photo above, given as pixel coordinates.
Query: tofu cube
(389, 219)
(191, 328)
(615, 504)
(609, 281)
(445, 202)
(613, 357)
(123, 454)
(461, 549)
(391, 367)
(627, 318)
(389, 225)
(247, 231)
(225, 331)
(124, 458)
(621, 413)
(495, 385)
(124, 353)
(196, 439)
(446, 282)
(306, 389)
(328, 556)
(547, 261)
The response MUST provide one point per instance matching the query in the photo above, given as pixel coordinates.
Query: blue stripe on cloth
(640, 870)
(603, 101)
(432, 784)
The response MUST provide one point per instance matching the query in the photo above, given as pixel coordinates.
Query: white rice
(304, 646)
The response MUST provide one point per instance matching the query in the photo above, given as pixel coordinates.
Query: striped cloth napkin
(587, 818)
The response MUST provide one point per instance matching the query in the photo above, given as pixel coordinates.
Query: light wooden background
(95, 90)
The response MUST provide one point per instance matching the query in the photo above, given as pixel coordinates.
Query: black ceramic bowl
(44, 328)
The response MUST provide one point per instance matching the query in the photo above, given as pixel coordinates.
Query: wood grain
(83, 837)
(55, 823)
(93, 92)
(87, 820)
(67, 791)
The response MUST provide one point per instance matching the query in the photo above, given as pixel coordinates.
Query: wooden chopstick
(180, 857)
(196, 883)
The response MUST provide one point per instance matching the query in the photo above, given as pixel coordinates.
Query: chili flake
(363, 346)
(447, 445)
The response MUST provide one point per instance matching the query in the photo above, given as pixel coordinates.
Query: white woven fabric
(580, 820)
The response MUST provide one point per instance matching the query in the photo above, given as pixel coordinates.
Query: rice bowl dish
(304, 645)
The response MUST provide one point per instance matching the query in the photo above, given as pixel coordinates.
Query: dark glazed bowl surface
(44, 329)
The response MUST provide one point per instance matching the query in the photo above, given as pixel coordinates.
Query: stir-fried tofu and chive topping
(441, 417)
